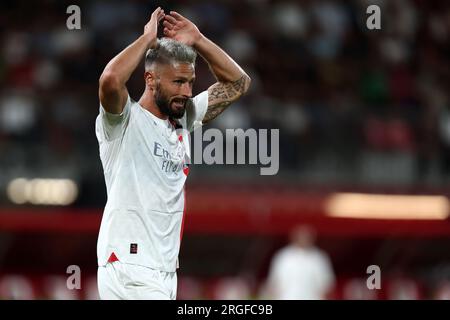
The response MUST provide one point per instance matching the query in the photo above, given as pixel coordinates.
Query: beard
(164, 104)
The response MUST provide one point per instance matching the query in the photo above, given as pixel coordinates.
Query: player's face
(174, 88)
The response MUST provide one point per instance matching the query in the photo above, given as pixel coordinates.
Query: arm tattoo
(222, 94)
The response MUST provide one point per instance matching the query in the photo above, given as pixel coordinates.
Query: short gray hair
(168, 51)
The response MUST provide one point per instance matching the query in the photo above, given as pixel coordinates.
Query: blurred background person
(300, 271)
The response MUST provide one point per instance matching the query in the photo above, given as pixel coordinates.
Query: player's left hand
(181, 29)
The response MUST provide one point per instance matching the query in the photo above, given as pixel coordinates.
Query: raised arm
(232, 81)
(113, 93)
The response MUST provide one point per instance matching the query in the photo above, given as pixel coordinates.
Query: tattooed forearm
(215, 110)
(222, 94)
(217, 92)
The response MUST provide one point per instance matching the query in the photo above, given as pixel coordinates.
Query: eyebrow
(184, 78)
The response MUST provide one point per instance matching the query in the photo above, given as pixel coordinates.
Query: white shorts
(121, 281)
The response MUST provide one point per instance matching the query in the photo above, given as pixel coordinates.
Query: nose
(186, 90)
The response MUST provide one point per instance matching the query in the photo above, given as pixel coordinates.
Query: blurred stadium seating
(359, 111)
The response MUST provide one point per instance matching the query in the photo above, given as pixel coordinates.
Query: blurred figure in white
(300, 271)
(232, 288)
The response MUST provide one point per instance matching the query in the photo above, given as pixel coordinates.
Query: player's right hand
(151, 28)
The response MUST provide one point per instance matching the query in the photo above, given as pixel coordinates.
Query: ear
(150, 79)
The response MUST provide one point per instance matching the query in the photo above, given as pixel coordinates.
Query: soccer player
(144, 152)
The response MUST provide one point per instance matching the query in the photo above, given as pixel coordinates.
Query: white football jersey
(145, 162)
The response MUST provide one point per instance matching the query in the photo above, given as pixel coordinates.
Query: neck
(147, 101)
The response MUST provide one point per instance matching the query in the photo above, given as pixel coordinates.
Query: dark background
(358, 110)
